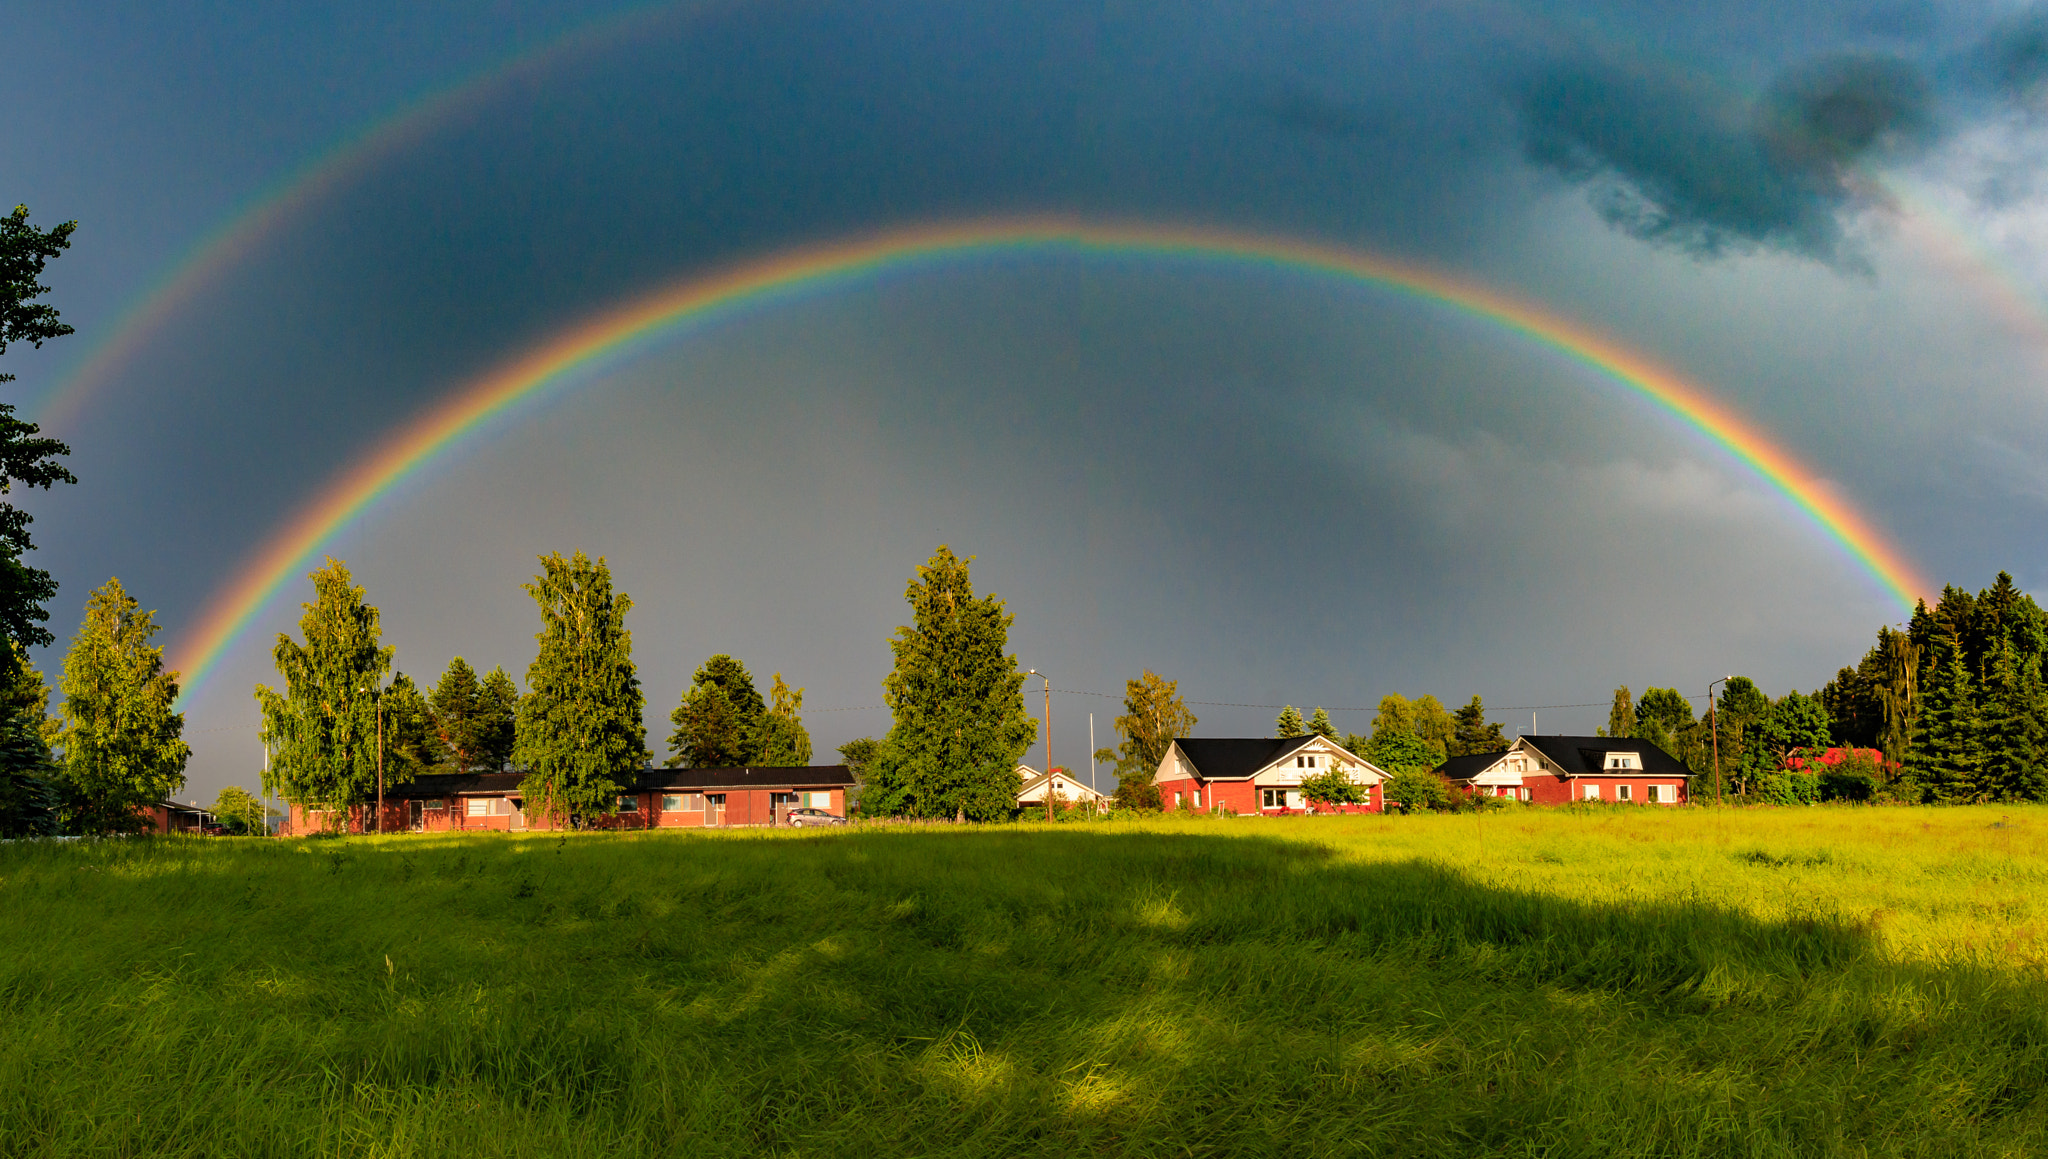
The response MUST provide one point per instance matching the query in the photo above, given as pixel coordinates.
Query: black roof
(788, 777)
(1234, 759)
(454, 785)
(1471, 765)
(1586, 756)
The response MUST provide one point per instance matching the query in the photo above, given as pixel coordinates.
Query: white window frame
(479, 807)
(1624, 760)
(628, 803)
(1591, 793)
(671, 802)
(1621, 792)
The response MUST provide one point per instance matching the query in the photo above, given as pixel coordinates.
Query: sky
(304, 226)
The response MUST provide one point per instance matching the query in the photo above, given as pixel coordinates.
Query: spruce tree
(718, 723)
(784, 741)
(123, 745)
(322, 729)
(1474, 733)
(497, 709)
(1948, 755)
(1154, 714)
(456, 704)
(2015, 713)
(1319, 724)
(1289, 723)
(957, 699)
(580, 733)
(1621, 718)
(412, 745)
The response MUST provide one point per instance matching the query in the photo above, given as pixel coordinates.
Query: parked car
(798, 818)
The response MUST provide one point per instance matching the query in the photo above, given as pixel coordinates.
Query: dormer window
(1304, 762)
(1624, 761)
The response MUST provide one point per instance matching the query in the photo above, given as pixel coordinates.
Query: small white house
(1065, 788)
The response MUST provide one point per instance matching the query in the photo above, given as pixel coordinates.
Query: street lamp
(379, 701)
(1714, 730)
(1048, 739)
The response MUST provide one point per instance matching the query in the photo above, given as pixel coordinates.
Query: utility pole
(1048, 739)
(1091, 754)
(1714, 730)
(380, 764)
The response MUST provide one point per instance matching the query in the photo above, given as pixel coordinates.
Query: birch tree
(123, 742)
(580, 733)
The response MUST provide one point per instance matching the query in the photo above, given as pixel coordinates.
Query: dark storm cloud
(1303, 111)
(1677, 162)
(2013, 59)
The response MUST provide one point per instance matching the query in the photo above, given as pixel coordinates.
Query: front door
(714, 808)
(418, 815)
(518, 814)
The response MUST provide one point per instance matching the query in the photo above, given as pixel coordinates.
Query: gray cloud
(2014, 58)
(1677, 162)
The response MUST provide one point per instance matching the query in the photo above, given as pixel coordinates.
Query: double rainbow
(837, 265)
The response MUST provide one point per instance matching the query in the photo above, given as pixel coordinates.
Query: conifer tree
(1621, 718)
(1664, 718)
(1948, 754)
(580, 733)
(322, 728)
(1474, 733)
(497, 707)
(2015, 726)
(957, 699)
(1289, 723)
(784, 741)
(123, 744)
(1319, 724)
(412, 745)
(455, 704)
(26, 457)
(718, 723)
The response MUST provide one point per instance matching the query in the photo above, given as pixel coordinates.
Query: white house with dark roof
(1555, 770)
(1064, 787)
(1253, 775)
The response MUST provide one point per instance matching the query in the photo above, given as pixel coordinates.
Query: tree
(1795, 723)
(458, 722)
(1333, 786)
(1948, 754)
(29, 798)
(239, 812)
(1422, 719)
(497, 707)
(718, 724)
(1434, 725)
(1154, 714)
(412, 743)
(1621, 719)
(2015, 726)
(1412, 789)
(1320, 725)
(25, 456)
(123, 745)
(1898, 694)
(322, 728)
(784, 742)
(1743, 706)
(580, 733)
(857, 755)
(1289, 723)
(1473, 733)
(1402, 751)
(957, 701)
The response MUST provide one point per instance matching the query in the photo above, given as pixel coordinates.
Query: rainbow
(619, 331)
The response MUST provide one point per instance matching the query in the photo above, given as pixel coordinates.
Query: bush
(1856, 778)
(1788, 788)
(1413, 788)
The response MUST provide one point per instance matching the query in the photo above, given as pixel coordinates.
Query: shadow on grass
(971, 993)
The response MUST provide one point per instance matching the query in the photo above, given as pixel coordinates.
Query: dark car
(798, 818)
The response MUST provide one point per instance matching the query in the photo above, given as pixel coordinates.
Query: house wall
(1546, 789)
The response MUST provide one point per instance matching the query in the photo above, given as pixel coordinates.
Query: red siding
(1242, 797)
(1551, 790)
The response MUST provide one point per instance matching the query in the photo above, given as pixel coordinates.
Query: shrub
(1413, 788)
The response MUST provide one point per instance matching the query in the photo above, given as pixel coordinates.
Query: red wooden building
(1556, 770)
(1258, 775)
(657, 799)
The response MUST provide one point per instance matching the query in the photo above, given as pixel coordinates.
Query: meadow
(1605, 982)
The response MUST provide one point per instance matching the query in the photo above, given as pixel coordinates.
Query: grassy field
(1606, 983)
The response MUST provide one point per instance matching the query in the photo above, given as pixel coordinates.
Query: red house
(1556, 770)
(1257, 775)
(168, 816)
(657, 799)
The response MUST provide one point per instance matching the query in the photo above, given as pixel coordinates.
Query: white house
(1064, 788)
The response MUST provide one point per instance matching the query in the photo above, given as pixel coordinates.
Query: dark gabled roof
(1471, 765)
(1586, 756)
(791, 777)
(1234, 758)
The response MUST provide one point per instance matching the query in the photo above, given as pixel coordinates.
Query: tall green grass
(1826, 982)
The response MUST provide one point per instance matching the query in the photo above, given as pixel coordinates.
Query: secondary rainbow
(553, 363)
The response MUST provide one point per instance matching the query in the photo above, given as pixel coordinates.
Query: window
(1279, 799)
(1655, 794)
(1176, 800)
(1525, 794)
(479, 807)
(1624, 761)
(1198, 798)
(501, 807)
(437, 804)
(671, 802)
(818, 800)
(1519, 765)
(1592, 792)
(1621, 792)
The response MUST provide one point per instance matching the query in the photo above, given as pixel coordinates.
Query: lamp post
(1714, 730)
(1048, 739)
